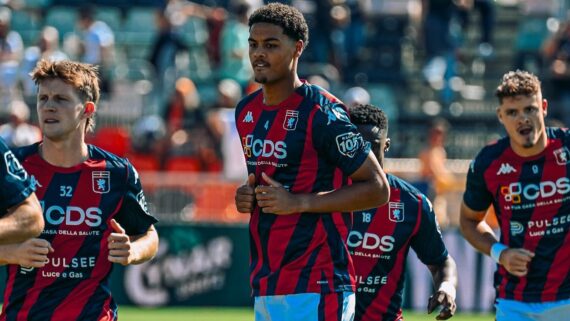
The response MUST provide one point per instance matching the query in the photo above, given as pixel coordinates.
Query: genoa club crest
(396, 212)
(101, 181)
(291, 119)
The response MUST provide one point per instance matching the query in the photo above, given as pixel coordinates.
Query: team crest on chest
(101, 181)
(562, 155)
(396, 212)
(291, 119)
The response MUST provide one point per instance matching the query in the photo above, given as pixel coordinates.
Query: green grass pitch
(244, 314)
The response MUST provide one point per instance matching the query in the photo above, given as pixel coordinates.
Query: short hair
(515, 83)
(287, 17)
(83, 77)
(366, 114)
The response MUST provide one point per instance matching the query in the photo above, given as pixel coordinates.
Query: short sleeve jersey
(531, 197)
(15, 183)
(78, 204)
(379, 244)
(308, 144)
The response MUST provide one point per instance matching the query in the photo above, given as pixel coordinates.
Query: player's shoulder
(113, 161)
(24, 152)
(318, 96)
(490, 153)
(248, 99)
(404, 186)
(558, 133)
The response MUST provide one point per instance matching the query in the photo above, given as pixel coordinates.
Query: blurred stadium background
(170, 82)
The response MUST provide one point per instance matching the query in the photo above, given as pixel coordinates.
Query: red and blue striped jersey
(15, 183)
(78, 203)
(379, 243)
(531, 197)
(308, 144)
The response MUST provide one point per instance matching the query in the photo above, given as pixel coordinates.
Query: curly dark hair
(287, 17)
(369, 115)
(516, 83)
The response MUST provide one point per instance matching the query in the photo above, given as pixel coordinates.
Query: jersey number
(65, 191)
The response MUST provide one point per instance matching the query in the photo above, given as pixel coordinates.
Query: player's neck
(276, 93)
(67, 153)
(538, 148)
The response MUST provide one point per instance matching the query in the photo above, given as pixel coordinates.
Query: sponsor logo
(291, 119)
(13, 167)
(562, 155)
(265, 148)
(516, 192)
(396, 212)
(349, 143)
(516, 228)
(371, 241)
(101, 181)
(72, 215)
(506, 168)
(248, 117)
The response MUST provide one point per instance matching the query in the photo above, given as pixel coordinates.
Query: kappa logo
(291, 119)
(562, 155)
(13, 167)
(396, 212)
(248, 117)
(101, 181)
(506, 168)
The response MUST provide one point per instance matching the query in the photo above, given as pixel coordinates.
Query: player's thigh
(559, 310)
(305, 307)
(510, 310)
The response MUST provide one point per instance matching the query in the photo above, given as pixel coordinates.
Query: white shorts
(510, 310)
(305, 307)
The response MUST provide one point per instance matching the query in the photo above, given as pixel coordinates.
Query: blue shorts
(508, 310)
(305, 307)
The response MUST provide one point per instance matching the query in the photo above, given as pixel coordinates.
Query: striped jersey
(379, 244)
(531, 197)
(15, 184)
(308, 144)
(78, 203)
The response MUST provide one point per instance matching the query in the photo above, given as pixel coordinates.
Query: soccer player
(94, 208)
(301, 152)
(20, 212)
(381, 238)
(525, 176)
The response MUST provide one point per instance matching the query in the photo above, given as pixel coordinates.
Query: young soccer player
(382, 237)
(525, 177)
(94, 208)
(301, 151)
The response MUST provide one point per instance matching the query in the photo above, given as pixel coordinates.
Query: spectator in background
(97, 44)
(18, 132)
(433, 169)
(556, 53)
(234, 63)
(486, 10)
(356, 96)
(167, 45)
(222, 120)
(11, 51)
(47, 47)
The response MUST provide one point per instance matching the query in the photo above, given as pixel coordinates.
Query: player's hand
(120, 248)
(516, 261)
(245, 195)
(443, 299)
(274, 198)
(31, 253)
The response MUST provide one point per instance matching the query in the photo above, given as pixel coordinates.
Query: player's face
(60, 110)
(523, 119)
(377, 139)
(272, 53)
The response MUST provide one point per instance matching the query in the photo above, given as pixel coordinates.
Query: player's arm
(477, 232)
(445, 281)
(131, 249)
(369, 189)
(22, 221)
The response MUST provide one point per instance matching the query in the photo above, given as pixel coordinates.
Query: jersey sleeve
(15, 183)
(133, 215)
(337, 140)
(427, 242)
(477, 197)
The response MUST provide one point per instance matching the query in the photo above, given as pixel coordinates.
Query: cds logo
(515, 192)
(370, 241)
(72, 215)
(265, 148)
